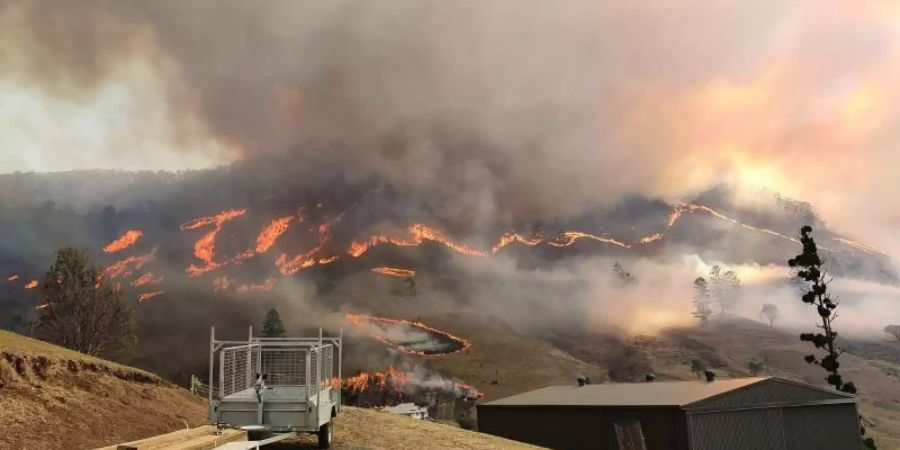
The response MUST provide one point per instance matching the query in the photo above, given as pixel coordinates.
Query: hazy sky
(547, 105)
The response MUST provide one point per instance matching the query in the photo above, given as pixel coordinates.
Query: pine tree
(272, 327)
(810, 269)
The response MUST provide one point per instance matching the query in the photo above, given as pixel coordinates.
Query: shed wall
(826, 427)
(580, 428)
(737, 430)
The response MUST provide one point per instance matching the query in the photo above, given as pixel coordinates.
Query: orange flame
(31, 284)
(397, 380)
(148, 295)
(147, 278)
(271, 233)
(225, 282)
(204, 248)
(395, 272)
(359, 320)
(127, 266)
(126, 240)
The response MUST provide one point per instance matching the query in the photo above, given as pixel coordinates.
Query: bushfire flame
(148, 295)
(31, 284)
(360, 321)
(205, 247)
(395, 272)
(394, 380)
(147, 278)
(126, 240)
(129, 265)
(13, 278)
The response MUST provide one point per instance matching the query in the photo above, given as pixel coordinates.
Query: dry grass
(53, 398)
(357, 428)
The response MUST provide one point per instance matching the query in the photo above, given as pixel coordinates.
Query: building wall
(826, 427)
(583, 428)
(820, 427)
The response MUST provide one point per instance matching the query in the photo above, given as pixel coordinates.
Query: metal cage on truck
(281, 385)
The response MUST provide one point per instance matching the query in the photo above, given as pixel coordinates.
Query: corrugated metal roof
(657, 393)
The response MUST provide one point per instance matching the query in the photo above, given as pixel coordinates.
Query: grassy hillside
(54, 398)
(358, 428)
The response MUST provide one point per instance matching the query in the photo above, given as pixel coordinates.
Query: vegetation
(698, 366)
(702, 308)
(771, 312)
(756, 367)
(810, 269)
(81, 311)
(725, 288)
(272, 326)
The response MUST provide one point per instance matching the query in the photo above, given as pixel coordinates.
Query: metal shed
(735, 414)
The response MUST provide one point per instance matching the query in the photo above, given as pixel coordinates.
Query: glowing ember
(395, 272)
(204, 248)
(31, 284)
(127, 266)
(414, 338)
(42, 306)
(126, 240)
(13, 278)
(148, 295)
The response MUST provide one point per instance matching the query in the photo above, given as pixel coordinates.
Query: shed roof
(658, 394)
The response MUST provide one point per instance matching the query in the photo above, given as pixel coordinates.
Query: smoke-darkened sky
(531, 108)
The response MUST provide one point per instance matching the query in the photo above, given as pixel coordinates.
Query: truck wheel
(325, 434)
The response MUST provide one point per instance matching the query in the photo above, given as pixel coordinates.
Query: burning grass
(126, 240)
(414, 338)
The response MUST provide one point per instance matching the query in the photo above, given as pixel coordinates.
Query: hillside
(359, 428)
(54, 398)
(525, 362)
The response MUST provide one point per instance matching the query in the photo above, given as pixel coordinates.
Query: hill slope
(54, 398)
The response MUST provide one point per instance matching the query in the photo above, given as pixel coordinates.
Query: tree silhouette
(811, 271)
(725, 288)
(81, 311)
(272, 326)
(771, 312)
(702, 310)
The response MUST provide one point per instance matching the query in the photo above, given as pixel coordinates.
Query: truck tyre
(325, 434)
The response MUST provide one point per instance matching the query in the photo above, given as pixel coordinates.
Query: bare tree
(81, 311)
(771, 312)
(702, 310)
(625, 277)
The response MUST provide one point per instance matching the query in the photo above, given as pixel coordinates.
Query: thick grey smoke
(506, 110)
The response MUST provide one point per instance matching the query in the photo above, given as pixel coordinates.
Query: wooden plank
(197, 435)
(209, 442)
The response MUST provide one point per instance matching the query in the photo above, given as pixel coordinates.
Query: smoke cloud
(502, 109)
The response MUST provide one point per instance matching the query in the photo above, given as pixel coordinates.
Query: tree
(83, 311)
(756, 367)
(893, 330)
(625, 277)
(698, 366)
(725, 288)
(811, 271)
(272, 326)
(702, 310)
(771, 312)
